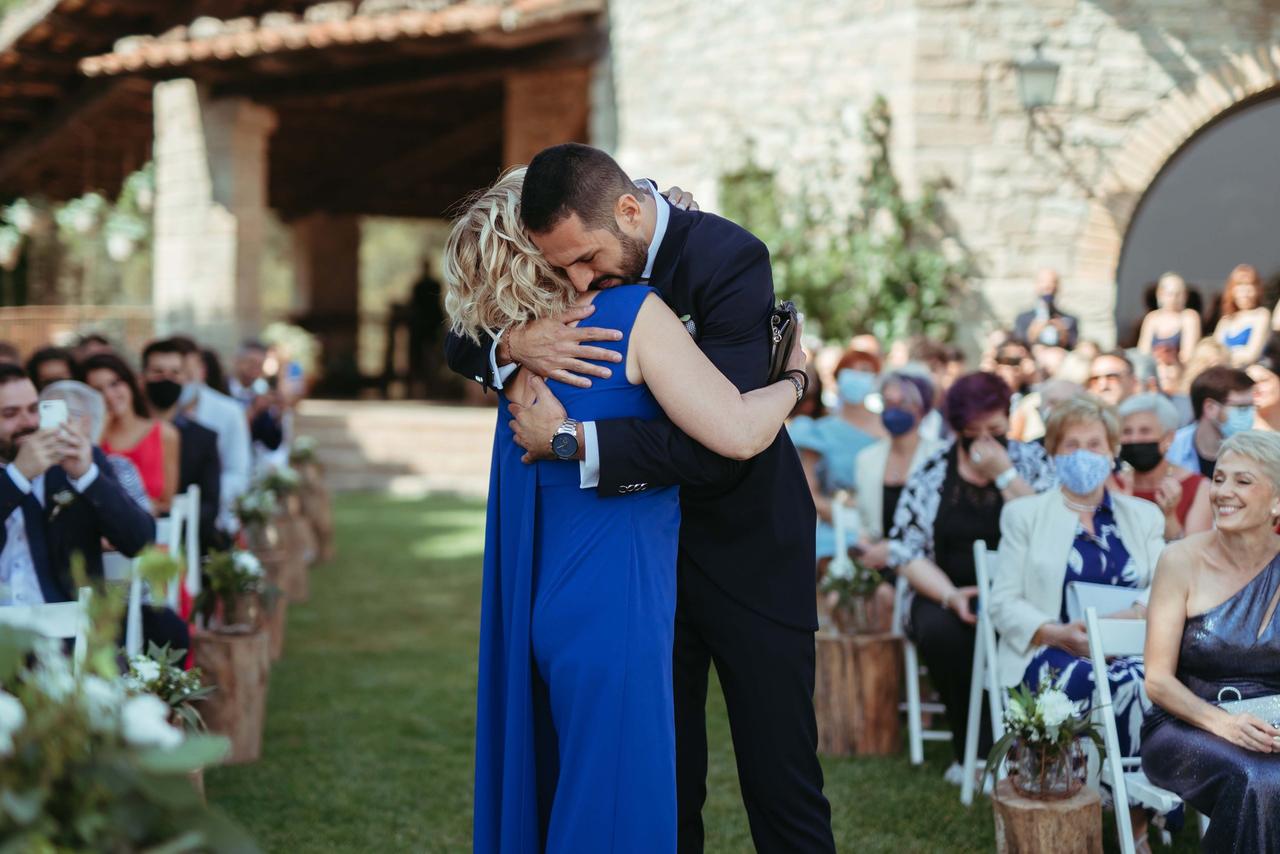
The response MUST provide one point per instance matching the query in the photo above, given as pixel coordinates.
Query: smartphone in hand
(53, 414)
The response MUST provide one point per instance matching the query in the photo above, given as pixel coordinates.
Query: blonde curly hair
(494, 275)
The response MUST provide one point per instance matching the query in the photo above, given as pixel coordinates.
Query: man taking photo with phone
(58, 498)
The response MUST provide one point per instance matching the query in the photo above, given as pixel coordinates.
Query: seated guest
(1222, 403)
(1212, 635)
(219, 413)
(1170, 331)
(950, 502)
(58, 498)
(829, 445)
(1027, 422)
(1014, 365)
(91, 344)
(198, 462)
(50, 364)
(1111, 377)
(1244, 321)
(1266, 393)
(87, 413)
(264, 408)
(149, 443)
(9, 354)
(1147, 426)
(1080, 532)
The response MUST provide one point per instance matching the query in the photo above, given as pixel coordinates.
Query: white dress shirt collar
(659, 229)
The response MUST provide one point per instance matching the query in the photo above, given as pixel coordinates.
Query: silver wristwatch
(564, 442)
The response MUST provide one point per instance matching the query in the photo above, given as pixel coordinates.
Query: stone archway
(1152, 142)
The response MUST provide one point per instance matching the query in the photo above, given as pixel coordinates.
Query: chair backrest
(1106, 598)
(984, 562)
(1113, 638)
(58, 620)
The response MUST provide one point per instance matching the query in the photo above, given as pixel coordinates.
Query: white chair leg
(133, 624)
(1204, 825)
(973, 727)
(915, 721)
(81, 649)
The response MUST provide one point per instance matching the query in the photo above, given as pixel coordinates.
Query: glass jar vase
(1046, 771)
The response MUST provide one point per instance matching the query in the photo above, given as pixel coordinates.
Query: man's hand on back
(553, 349)
(535, 425)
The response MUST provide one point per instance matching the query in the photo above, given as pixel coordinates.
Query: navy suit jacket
(749, 526)
(199, 464)
(103, 511)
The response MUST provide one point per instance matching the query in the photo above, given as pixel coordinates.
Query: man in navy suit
(58, 498)
(746, 562)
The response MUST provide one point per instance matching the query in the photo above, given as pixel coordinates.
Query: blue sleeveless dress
(575, 733)
(1238, 789)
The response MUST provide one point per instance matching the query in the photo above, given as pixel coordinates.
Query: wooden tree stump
(317, 507)
(859, 678)
(274, 620)
(286, 570)
(296, 531)
(1027, 826)
(239, 665)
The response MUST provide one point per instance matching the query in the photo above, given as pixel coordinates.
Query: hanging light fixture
(1037, 80)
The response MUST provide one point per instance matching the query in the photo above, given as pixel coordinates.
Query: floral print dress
(1098, 558)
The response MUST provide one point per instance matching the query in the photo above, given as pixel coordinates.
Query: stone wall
(1138, 78)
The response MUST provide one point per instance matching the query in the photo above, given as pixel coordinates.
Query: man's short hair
(11, 372)
(1217, 384)
(572, 179)
(9, 353)
(1113, 354)
(49, 354)
(185, 343)
(160, 347)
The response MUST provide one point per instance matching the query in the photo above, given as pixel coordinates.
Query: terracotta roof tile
(207, 39)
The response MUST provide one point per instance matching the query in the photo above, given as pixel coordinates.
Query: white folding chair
(57, 620)
(180, 534)
(917, 735)
(984, 676)
(1129, 785)
(133, 614)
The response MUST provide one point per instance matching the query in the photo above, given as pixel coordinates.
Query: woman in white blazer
(1080, 532)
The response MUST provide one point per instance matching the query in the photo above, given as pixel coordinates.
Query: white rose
(840, 569)
(146, 669)
(248, 563)
(12, 718)
(1055, 708)
(52, 675)
(101, 701)
(144, 722)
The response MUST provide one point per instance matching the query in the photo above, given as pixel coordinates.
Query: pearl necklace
(1080, 508)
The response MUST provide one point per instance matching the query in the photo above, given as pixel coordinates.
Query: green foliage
(159, 671)
(231, 575)
(850, 580)
(158, 569)
(886, 268)
(1044, 717)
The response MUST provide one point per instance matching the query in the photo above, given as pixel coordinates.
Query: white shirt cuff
(589, 468)
(500, 374)
(19, 479)
(87, 480)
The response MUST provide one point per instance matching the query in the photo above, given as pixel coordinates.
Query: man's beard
(9, 446)
(635, 257)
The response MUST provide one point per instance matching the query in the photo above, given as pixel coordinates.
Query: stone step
(401, 447)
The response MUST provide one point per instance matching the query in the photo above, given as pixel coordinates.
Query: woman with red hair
(1243, 327)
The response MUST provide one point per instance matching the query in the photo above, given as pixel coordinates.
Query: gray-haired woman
(1148, 422)
(1212, 636)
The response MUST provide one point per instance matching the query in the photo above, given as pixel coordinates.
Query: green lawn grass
(372, 709)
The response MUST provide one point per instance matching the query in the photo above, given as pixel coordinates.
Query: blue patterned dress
(1098, 558)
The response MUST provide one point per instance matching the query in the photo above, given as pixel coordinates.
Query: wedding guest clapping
(950, 502)
(1212, 635)
(1148, 424)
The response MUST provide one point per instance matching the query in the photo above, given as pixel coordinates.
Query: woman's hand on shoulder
(1247, 731)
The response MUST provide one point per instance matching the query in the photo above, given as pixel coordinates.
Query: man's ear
(628, 211)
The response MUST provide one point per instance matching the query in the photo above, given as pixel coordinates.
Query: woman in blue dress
(575, 738)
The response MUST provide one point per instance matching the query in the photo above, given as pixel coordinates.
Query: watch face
(564, 445)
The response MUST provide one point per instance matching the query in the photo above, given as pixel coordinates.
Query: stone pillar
(326, 263)
(544, 107)
(210, 212)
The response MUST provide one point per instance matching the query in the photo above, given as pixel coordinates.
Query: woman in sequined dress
(1211, 627)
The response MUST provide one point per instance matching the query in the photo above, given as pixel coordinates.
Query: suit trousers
(766, 671)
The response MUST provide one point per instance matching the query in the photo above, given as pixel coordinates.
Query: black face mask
(966, 442)
(1143, 456)
(163, 394)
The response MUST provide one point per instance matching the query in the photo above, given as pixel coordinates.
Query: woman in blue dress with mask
(829, 446)
(575, 740)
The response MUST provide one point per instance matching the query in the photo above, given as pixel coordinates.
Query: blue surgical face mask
(1083, 471)
(897, 421)
(854, 386)
(1239, 419)
(190, 391)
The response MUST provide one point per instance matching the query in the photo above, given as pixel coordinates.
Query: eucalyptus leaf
(196, 752)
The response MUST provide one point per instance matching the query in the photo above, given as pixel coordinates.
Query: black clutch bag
(784, 323)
